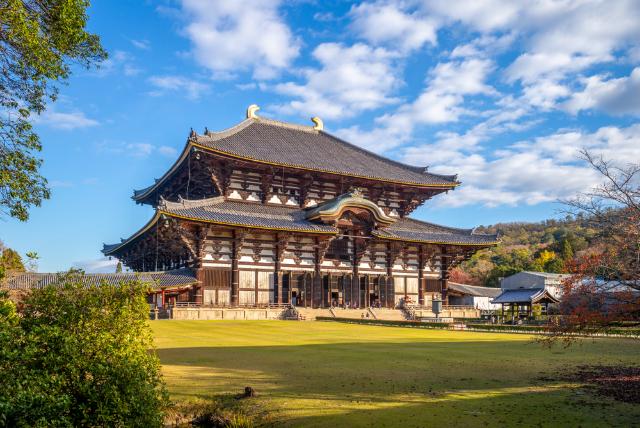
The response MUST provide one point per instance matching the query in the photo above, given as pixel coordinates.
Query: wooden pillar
(316, 285)
(421, 263)
(444, 277)
(236, 245)
(367, 291)
(390, 300)
(163, 300)
(277, 277)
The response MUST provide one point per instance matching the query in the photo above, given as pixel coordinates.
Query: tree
(119, 267)
(39, 41)
(10, 261)
(32, 262)
(79, 356)
(605, 285)
(567, 250)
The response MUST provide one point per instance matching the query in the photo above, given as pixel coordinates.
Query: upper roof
(167, 279)
(283, 144)
(473, 290)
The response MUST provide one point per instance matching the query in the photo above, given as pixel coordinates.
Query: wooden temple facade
(268, 212)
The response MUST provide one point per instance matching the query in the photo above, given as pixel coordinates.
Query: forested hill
(544, 247)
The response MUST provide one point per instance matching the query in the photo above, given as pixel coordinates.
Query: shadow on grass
(402, 384)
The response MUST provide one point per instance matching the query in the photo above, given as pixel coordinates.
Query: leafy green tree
(119, 267)
(555, 265)
(79, 356)
(10, 261)
(39, 41)
(567, 250)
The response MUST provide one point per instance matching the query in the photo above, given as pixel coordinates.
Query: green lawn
(329, 374)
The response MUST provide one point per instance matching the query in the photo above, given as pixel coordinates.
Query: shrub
(80, 356)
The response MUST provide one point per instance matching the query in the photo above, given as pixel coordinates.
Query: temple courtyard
(328, 374)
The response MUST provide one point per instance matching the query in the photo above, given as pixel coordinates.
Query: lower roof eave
(433, 242)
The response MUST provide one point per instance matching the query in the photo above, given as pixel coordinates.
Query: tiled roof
(283, 144)
(408, 229)
(173, 278)
(472, 290)
(525, 295)
(250, 214)
(271, 217)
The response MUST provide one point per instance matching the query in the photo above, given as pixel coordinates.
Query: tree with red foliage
(604, 290)
(459, 276)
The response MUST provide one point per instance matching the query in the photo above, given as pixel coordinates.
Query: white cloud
(351, 79)
(231, 35)
(132, 149)
(167, 151)
(66, 120)
(615, 96)
(382, 23)
(542, 170)
(192, 89)
(118, 62)
(141, 44)
(102, 265)
(441, 102)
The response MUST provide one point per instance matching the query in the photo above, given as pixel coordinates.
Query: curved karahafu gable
(332, 210)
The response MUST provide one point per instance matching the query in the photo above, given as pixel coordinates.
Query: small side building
(520, 292)
(471, 295)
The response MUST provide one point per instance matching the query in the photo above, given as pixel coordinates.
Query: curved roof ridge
(216, 135)
(189, 203)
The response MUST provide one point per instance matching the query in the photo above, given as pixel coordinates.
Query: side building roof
(271, 142)
(473, 290)
(168, 279)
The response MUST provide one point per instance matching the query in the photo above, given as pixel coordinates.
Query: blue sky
(503, 93)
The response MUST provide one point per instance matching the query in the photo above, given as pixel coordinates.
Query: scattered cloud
(350, 80)
(167, 151)
(60, 183)
(102, 265)
(385, 23)
(65, 120)
(141, 44)
(119, 62)
(234, 36)
(192, 89)
(440, 102)
(616, 96)
(544, 169)
(132, 149)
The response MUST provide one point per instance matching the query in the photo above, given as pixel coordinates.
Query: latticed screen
(216, 278)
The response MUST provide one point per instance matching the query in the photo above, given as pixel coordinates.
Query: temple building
(268, 212)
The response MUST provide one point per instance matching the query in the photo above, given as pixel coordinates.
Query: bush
(79, 356)
(415, 324)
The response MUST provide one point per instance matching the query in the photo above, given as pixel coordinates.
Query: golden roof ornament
(252, 110)
(318, 125)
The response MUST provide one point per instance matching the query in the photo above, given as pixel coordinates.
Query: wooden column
(316, 284)
(444, 277)
(367, 292)
(421, 263)
(236, 246)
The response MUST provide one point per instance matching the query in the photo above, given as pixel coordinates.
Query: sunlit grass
(333, 375)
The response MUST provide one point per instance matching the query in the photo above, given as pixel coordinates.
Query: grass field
(326, 374)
